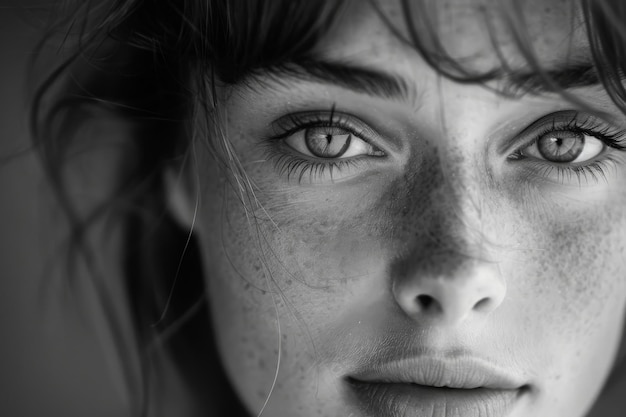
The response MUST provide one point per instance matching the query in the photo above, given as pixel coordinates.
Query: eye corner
(517, 155)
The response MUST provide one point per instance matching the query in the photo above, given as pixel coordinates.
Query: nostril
(427, 302)
(450, 299)
(483, 304)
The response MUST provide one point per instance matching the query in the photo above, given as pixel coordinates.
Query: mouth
(434, 387)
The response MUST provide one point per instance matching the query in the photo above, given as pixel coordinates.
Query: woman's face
(407, 238)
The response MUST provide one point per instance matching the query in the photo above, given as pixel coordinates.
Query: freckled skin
(327, 259)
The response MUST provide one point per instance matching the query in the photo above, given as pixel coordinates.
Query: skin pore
(443, 234)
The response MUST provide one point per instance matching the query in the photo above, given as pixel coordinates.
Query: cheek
(284, 260)
(301, 258)
(573, 261)
(566, 277)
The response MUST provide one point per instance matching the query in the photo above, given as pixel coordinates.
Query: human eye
(571, 147)
(320, 146)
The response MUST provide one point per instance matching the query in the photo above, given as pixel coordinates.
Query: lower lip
(410, 400)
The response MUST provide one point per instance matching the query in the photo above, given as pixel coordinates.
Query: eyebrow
(359, 79)
(379, 83)
(566, 77)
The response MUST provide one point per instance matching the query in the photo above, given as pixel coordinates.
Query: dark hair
(156, 65)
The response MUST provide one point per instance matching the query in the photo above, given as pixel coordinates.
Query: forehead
(480, 34)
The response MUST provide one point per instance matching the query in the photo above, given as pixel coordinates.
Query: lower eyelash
(584, 174)
(292, 166)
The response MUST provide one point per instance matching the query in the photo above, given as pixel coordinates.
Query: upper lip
(461, 372)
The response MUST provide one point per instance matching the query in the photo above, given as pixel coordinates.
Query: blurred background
(50, 362)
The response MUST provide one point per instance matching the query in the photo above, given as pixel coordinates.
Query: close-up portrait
(313, 208)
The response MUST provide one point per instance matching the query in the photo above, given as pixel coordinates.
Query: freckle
(288, 282)
(261, 364)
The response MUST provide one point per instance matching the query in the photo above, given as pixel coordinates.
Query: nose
(473, 289)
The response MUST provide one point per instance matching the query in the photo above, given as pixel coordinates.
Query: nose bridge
(457, 217)
(458, 201)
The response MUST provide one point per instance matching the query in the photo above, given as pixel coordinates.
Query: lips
(434, 386)
(458, 372)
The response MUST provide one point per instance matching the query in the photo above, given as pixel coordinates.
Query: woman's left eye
(330, 142)
(563, 146)
(569, 146)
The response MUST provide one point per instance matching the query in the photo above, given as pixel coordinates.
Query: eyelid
(291, 123)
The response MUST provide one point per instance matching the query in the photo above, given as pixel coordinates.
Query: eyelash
(615, 139)
(299, 166)
(584, 173)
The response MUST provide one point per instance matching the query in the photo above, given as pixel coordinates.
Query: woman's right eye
(330, 142)
(318, 147)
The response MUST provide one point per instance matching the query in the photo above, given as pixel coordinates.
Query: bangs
(227, 40)
(231, 37)
(604, 21)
